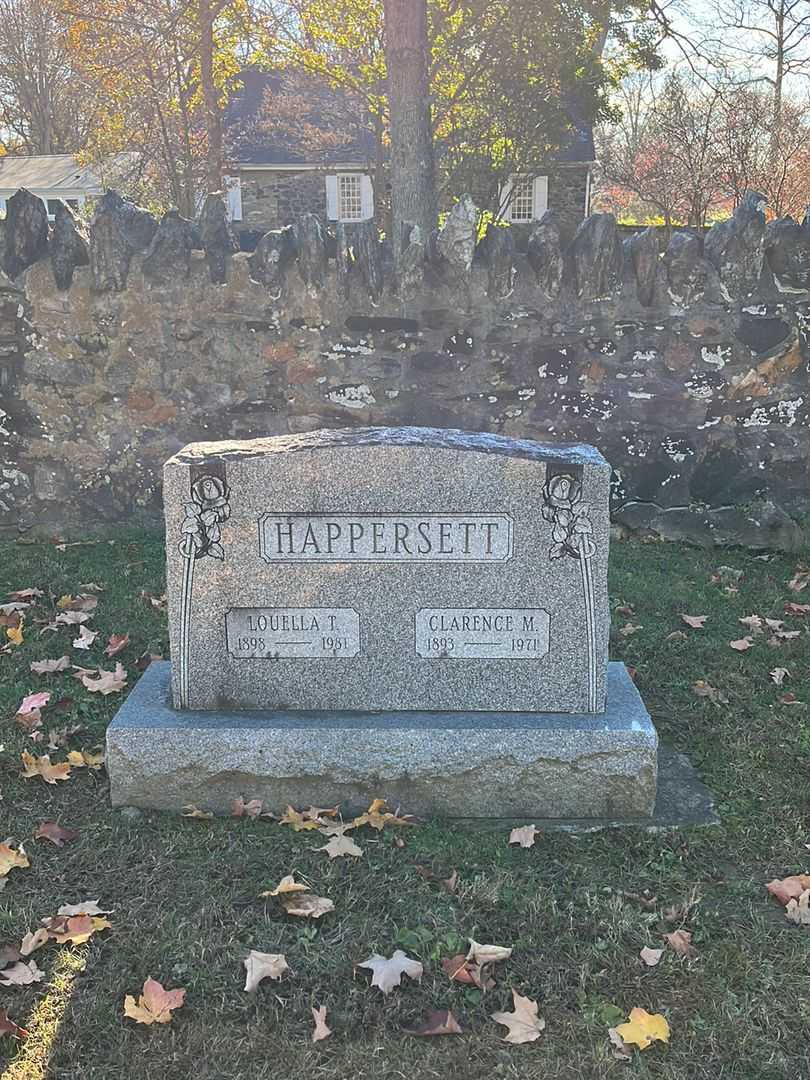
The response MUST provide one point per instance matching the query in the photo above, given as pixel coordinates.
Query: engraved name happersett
(385, 537)
(287, 633)
(482, 633)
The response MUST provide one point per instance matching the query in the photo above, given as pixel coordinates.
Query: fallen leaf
(786, 635)
(524, 835)
(287, 884)
(798, 910)
(8, 954)
(8, 1027)
(628, 630)
(705, 689)
(15, 633)
(42, 766)
(74, 929)
(321, 1030)
(307, 905)
(752, 622)
(192, 811)
(651, 956)
(681, 942)
(789, 888)
(29, 721)
(341, 845)
(116, 644)
(81, 759)
(108, 682)
(291, 816)
(53, 831)
(789, 699)
(155, 1005)
(33, 703)
(240, 808)
(449, 883)
(388, 972)
(50, 667)
(643, 1029)
(797, 583)
(336, 828)
(11, 859)
(627, 611)
(262, 965)
(315, 813)
(487, 954)
(21, 974)
(741, 644)
(524, 1024)
(85, 639)
(437, 1022)
(460, 969)
(34, 941)
(87, 907)
(774, 624)
(72, 618)
(378, 817)
(77, 603)
(25, 594)
(779, 674)
(796, 609)
(695, 621)
(621, 1050)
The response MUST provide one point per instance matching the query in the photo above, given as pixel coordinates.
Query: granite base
(473, 764)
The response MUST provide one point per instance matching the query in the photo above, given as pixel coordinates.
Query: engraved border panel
(302, 647)
(467, 643)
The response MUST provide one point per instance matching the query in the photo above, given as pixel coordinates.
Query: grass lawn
(185, 892)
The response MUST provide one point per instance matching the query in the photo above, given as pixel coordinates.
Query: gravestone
(409, 613)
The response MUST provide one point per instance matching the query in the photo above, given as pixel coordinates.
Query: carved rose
(200, 530)
(562, 491)
(571, 527)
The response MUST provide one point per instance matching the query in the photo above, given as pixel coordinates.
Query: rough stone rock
(544, 252)
(274, 254)
(119, 230)
(596, 254)
(498, 251)
(68, 247)
(311, 251)
(168, 257)
(687, 271)
(458, 764)
(26, 232)
(787, 250)
(736, 247)
(645, 259)
(359, 256)
(218, 238)
(411, 269)
(759, 526)
(455, 242)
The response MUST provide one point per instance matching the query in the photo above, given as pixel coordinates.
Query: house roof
(47, 172)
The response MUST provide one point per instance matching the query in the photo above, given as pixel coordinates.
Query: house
(55, 177)
(273, 177)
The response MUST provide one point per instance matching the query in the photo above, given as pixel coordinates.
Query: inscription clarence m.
(482, 633)
(385, 537)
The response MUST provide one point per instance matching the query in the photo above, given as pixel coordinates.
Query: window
(350, 206)
(522, 205)
(349, 197)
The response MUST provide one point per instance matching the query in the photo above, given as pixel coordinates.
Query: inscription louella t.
(572, 536)
(201, 535)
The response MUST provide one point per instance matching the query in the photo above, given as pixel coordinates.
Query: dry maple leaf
(449, 883)
(76, 929)
(25, 594)
(77, 603)
(695, 621)
(336, 828)
(315, 813)
(796, 609)
(643, 1028)
(785, 635)
(306, 905)
(789, 888)
(288, 884)
(388, 972)
(240, 808)
(71, 618)
(487, 954)
(741, 645)
(29, 722)
(87, 907)
(11, 859)
(460, 969)
(108, 682)
(53, 831)
(155, 1005)
(790, 699)
(798, 910)
(33, 703)
(378, 817)
(779, 674)
(85, 639)
(192, 811)
(705, 689)
(116, 644)
(8, 1027)
(319, 1017)
(524, 835)
(651, 956)
(50, 667)
(21, 974)
(752, 622)
(42, 766)
(627, 611)
(621, 1051)
(797, 583)
(437, 1022)
(628, 630)
(15, 633)
(81, 759)
(291, 816)
(262, 965)
(33, 941)
(341, 845)
(681, 942)
(524, 1024)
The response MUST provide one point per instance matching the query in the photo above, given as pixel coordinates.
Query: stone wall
(272, 198)
(688, 370)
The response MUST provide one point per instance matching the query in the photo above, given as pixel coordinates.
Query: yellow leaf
(84, 759)
(9, 859)
(195, 812)
(643, 1029)
(155, 1005)
(298, 821)
(41, 766)
(377, 817)
(287, 884)
(15, 633)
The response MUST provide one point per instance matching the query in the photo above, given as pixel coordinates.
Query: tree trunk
(413, 176)
(213, 122)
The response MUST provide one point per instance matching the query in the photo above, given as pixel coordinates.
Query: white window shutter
(505, 200)
(332, 198)
(540, 196)
(233, 197)
(366, 198)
